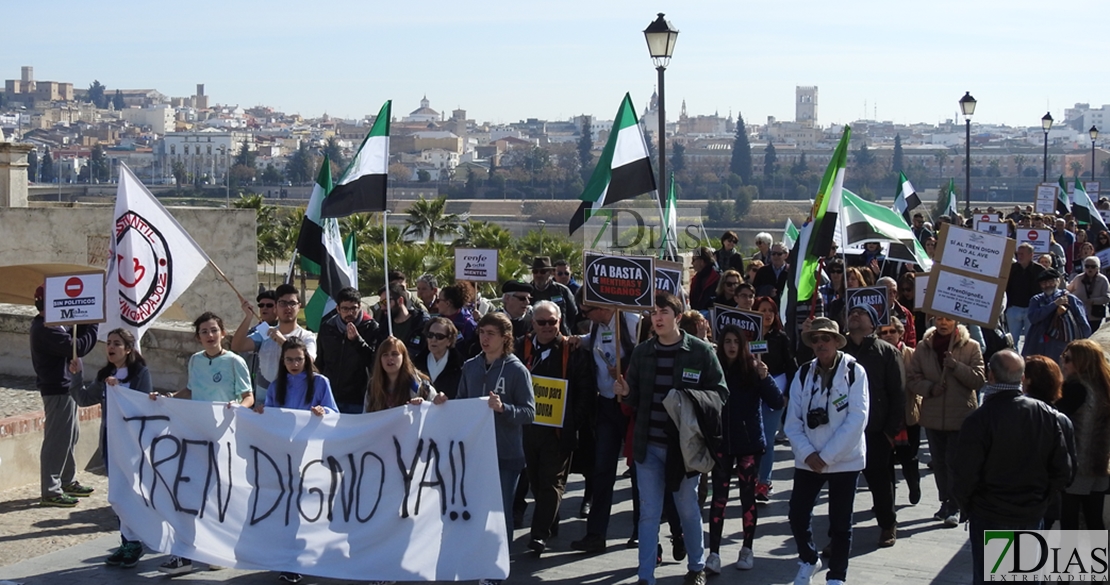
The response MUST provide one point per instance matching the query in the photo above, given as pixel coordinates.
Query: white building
(206, 152)
(159, 118)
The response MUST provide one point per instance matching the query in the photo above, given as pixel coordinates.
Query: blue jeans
(976, 526)
(509, 477)
(842, 495)
(651, 477)
(611, 427)
(771, 420)
(1017, 321)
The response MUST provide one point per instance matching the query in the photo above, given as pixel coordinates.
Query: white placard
(476, 264)
(972, 251)
(991, 227)
(1105, 213)
(1039, 239)
(1046, 198)
(1104, 257)
(965, 298)
(1092, 188)
(920, 285)
(74, 299)
(407, 494)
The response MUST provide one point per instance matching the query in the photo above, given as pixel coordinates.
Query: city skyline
(506, 62)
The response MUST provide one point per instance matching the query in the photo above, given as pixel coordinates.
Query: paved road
(925, 552)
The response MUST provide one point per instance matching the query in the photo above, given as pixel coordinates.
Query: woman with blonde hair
(1086, 400)
(396, 381)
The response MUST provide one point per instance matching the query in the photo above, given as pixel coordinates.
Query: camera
(817, 417)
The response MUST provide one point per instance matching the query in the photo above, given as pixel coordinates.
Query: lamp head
(1046, 122)
(1093, 132)
(661, 36)
(967, 105)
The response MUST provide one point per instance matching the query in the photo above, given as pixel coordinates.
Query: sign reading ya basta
(407, 494)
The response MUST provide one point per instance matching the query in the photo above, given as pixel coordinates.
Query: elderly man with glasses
(771, 280)
(1093, 288)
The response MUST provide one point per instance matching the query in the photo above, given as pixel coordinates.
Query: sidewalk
(925, 553)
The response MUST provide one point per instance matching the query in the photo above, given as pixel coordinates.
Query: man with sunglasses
(565, 276)
(547, 448)
(346, 350)
(546, 289)
(825, 421)
(516, 302)
(771, 280)
(267, 313)
(408, 320)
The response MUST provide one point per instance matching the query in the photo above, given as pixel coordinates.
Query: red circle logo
(1033, 236)
(74, 287)
(985, 218)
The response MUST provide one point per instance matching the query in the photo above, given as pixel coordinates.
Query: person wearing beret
(1056, 318)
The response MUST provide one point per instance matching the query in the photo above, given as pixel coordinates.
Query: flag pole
(223, 276)
(385, 259)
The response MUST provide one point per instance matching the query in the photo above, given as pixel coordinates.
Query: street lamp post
(1094, 134)
(967, 105)
(1046, 123)
(543, 224)
(661, 36)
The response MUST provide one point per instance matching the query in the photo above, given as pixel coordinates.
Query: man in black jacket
(408, 320)
(886, 411)
(547, 447)
(1013, 455)
(771, 280)
(1020, 287)
(51, 350)
(345, 351)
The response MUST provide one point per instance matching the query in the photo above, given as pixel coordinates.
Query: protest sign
(625, 282)
(407, 494)
(1092, 189)
(1104, 257)
(964, 298)
(74, 299)
(1039, 239)
(973, 251)
(668, 277)
(920, 285)
(476, 264)
(551, 401)
(748, 322)
(991, 227)
(1046, 197)
(875, 296)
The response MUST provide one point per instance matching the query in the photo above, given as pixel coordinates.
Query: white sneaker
(834, 582)
(713, 563)
(746, 560)
(806, 571)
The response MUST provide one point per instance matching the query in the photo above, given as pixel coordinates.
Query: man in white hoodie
(825, 421)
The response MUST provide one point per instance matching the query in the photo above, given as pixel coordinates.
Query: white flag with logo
(152, 259)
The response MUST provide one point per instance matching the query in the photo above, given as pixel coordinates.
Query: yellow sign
(551, 401)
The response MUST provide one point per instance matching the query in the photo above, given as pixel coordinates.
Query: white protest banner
(920, 285)
(407, 494)
(974, 251)
(965, 298)
(991, 227)
(476, 264)
(74, 299)
(1039, 239)
(1046, 198)
(1104, 257)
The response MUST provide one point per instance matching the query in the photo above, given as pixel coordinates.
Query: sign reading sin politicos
(74, 299)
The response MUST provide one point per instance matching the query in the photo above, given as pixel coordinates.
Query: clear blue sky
(509, 60)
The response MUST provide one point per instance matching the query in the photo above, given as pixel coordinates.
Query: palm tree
(1076, 167)
(1019, 162)
(430, 218)
(941, 158)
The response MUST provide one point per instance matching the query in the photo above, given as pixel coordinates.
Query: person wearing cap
(1056, 318)
(885, 372)
(546, 289)
(52, 348)
(825, 421)
(946, 371)
(516, 302)
(703, 285)
(1093, 288)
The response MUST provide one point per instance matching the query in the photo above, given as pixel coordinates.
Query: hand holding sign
(495, 402)
(760, 367)
(620, 386)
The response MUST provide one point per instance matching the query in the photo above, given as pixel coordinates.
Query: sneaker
(126, 556)
(62, 501)
(746, 560)
(591, 543)
(694, 578)
(290, 577)
(763, 492)
(941, 513)
(77, 490)
(176, 566)
(806, 571)
(713, 563)
(489, 582)
(888, 537)
(678, 548)
(952, 520)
